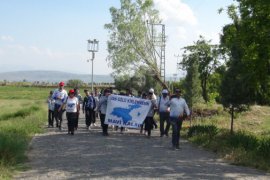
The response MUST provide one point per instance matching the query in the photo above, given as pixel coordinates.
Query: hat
(151, 90)
(178, 90)
(164, 91)
(61, 83)
(71, 91)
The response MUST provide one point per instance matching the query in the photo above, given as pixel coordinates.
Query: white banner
(125, 111)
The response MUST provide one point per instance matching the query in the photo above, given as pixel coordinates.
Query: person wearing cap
(102, 107)
(151, 90)
(79, 96)
(72, 110)
(51, 104)
(149, 121)
(85, 108)
(164, 114)
(60, 96)
(178, 107)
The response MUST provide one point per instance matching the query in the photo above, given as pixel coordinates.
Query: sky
(53, 34)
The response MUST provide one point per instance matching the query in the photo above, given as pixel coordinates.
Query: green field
(23, 113)
(248, 146)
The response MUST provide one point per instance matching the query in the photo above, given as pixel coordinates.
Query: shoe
(72, 133)
(161, 135)
(89, 128)
(94, 124)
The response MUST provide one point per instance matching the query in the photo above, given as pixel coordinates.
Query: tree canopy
(130, 44)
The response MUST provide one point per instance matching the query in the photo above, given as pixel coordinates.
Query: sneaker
(89, 128)
(94, 124)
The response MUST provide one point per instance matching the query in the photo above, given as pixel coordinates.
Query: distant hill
(52, 76)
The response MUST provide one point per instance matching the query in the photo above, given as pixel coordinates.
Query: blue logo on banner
(124, 113)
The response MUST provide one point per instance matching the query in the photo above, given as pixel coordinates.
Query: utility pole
(158, 38)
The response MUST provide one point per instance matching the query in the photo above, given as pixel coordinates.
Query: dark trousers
(176, 126)
(149, 124)
(87, 118)
(104, 126)
(50, 117)
(164, 117)
(92, 116)
(58, 115)
(71, 119)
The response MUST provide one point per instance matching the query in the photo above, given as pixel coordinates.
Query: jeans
(164, 116)
(87, 117)
(176, 126)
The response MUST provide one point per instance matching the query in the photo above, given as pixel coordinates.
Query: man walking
(178, 107)
(85, 108)
(164, 113)
(60, 96)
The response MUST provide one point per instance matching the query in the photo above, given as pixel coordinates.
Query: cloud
(176, 12)
(7, 38)
(181, 33)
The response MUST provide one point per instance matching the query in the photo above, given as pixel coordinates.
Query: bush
(264, 148)
(243, 140)
(209, 130)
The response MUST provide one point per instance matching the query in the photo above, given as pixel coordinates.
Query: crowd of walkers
(172, 110)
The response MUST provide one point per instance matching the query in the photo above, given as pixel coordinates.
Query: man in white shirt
(60, 96)
(164, 113)
(178, 107)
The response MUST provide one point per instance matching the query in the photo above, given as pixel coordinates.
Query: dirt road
(89, 155)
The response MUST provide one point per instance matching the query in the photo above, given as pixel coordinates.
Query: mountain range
(52, 76)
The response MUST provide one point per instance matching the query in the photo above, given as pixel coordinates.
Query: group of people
(172, 110)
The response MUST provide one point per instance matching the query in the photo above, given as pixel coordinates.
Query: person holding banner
(102, 107)
(178, 107)
(149, 121)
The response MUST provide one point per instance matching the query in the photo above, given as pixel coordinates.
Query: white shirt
(59, 96)
(177, 107)
(162, 103)
(71, 105)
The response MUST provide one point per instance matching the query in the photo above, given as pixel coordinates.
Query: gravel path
(89, 155)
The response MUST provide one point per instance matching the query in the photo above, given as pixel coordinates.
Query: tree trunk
(204, 90)
(232, 116)
(160, 81)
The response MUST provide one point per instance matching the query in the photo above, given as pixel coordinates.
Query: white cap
(164, 91)
(151, 90)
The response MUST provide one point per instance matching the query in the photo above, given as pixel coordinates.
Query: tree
(130, 45)
(141, 80)
(208, 60)
(249, 30)
(192, 82)
(76, 83)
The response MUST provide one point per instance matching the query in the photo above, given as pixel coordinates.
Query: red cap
(61, 83)
(71, 91)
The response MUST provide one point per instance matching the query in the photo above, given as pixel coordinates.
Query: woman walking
(72, 111)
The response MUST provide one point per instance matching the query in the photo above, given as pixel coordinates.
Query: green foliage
(130, 44)
(75, 83)
(192, 83)
(19, 121)
(20, 113)
(247, 41)
(141, 80)
(207, 56)
(240, 147)
(210, 130)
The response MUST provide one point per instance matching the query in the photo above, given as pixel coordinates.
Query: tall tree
(192, 82)
(130, 45)
(208, 60)
(249, 30)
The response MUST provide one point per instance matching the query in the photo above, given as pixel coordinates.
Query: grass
(248, 146)
(20, 119)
